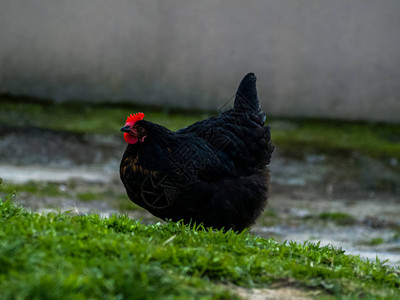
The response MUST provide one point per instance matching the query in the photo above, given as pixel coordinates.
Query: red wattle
(130, 139)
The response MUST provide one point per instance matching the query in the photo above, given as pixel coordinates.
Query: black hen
(212, 172)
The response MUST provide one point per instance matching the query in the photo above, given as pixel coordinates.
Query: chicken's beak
(126, 128)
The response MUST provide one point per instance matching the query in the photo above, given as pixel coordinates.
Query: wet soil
(306, 193)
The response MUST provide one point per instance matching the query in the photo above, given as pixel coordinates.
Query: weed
(128, 205)
(338, 217)
(376, 241)
(86, 196)
(270, 213)
(35, 188)
(373, 242)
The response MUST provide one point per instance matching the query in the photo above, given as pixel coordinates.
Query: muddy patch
(364, 227)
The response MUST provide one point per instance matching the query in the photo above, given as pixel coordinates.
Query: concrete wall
(312, 57)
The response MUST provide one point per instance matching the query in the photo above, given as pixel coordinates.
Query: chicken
(212, 172)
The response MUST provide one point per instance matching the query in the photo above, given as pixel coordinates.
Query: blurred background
(328, 79)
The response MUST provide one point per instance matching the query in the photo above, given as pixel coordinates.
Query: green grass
(87, 196)
(337, 137)
(60, 256)
(292, 136)
(376, 241)
(84, 193)
(95, 118)
(49, 189)
(339, 218)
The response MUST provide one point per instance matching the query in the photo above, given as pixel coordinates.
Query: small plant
(270, 213)
(87, 196)
(338, 217)
(373, 242)
(128, 205)
(376, 241)
(48, 189)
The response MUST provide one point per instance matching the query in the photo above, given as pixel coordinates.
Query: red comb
(135, 117)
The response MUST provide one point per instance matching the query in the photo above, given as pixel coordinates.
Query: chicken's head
(133, 132)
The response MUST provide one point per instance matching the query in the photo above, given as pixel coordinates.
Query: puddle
(348, 239)
(24, 174)
(299, 221)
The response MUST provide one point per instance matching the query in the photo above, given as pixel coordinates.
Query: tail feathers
(246, 96)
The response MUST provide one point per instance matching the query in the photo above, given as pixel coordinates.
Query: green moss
(270, 213)
(338, 217)
(71, 190)
(87, 196)
(35, 188)
(128, 205)
(376, 241)
(337, 137)
(123, 203)
(84, 118)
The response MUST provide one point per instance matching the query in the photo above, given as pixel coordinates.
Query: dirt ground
(352, 203)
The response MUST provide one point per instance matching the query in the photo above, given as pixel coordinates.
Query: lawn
(61, 256)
